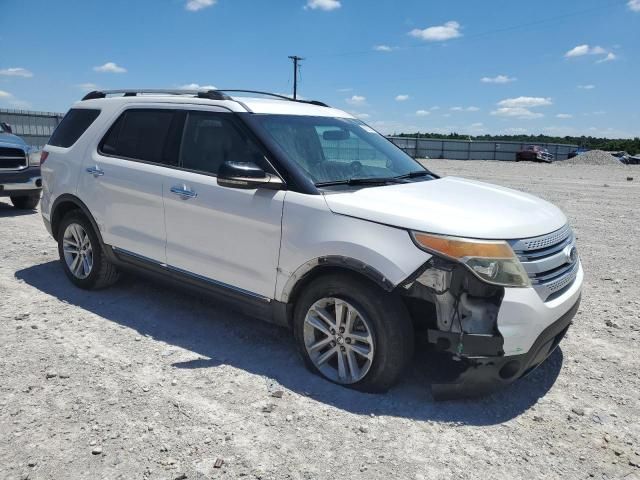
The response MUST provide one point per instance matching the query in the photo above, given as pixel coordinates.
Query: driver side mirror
(248, 176)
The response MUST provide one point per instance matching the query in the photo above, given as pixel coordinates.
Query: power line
(487, 32)
(296, 61)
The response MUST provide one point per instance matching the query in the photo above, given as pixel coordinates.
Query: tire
(381, 319)
(25, 202)
(102, 273)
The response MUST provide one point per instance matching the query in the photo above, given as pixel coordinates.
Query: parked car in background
(305, 216)
(534, 153)
(578, 151)
(19, 170)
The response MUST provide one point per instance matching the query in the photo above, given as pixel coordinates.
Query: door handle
(184, 192)
(95, 171)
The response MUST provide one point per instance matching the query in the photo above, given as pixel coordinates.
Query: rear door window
(142, 134)
(72, 126)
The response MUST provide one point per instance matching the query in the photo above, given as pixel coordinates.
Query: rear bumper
(21, 182)
(475, 376)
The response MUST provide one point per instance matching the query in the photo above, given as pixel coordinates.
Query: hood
(452, 206)
(10, 140)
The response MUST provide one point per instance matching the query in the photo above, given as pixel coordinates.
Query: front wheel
(25, 202)
(353, 333)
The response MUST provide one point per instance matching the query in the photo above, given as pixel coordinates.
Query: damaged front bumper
(475, 374)
(484, 337)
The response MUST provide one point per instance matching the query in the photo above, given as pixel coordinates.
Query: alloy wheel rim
(338, 339)
(78, 252)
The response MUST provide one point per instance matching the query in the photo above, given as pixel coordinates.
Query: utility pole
(296, 60)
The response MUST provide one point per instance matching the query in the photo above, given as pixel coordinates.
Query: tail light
(43, 156)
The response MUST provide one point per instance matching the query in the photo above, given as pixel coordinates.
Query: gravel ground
(142, 381)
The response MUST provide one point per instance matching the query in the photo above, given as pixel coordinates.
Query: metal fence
(34, 127)
(472, 150)
(37, 127)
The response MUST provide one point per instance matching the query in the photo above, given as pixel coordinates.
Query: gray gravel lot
(142, 381)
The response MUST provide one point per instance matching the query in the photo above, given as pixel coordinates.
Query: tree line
(629, 145)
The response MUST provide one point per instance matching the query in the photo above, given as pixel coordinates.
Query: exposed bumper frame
(483, 375)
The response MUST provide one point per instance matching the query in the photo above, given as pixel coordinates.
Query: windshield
(333, 150)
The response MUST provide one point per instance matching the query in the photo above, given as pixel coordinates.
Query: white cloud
(516, 112)
(195, 5)
(87, 87)
(422, 113)
(110, 67)
(498, 79)
(433, 109)
(196, 86)
(564, 115)
(525, 102)
(383, 48)
(610, 57)
(16, 72)
(402, 98)
(4, 94)
(361, 116)
(464, 109)
(586, 87)
(520, 107)
(477, 125)
(356, 100)
(585, 49)
(326, 5)
(634, 5)
(438, 33)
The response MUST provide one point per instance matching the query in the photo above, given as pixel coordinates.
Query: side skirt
(248, 303)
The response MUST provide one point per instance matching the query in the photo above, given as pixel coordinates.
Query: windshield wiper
(362, 181)
(415, 174)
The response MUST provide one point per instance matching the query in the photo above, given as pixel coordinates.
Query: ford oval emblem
(573, 255)
(570, 254)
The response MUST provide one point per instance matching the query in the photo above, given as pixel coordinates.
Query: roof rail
(218, 94)
(210, 94)
(277, 95)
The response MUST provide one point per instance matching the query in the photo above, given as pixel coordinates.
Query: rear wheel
(81, 254)
(353, 333)
(25, 202)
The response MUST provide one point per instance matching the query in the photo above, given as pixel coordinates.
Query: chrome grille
(548, 261)
(12, 158)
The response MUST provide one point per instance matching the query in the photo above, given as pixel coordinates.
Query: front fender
(313, 237)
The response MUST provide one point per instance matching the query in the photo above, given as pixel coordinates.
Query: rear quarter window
(72, 126)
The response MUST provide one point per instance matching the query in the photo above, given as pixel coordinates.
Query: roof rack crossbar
(217, 94)
(210, 94)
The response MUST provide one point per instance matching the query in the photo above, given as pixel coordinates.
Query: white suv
(305, 216)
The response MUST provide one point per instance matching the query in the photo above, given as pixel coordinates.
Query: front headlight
(492, 261)
(34, 158)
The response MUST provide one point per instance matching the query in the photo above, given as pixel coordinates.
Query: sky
(569, 67)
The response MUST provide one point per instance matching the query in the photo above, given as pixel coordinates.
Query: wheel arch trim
(318, 265)
(57, 218)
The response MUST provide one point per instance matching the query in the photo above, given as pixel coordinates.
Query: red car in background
(534, 153)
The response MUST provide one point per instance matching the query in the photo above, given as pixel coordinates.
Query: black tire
(103, 273)
(25, 202)
(392, 333)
